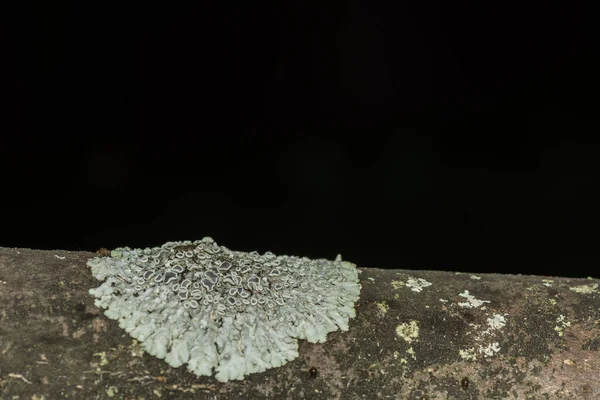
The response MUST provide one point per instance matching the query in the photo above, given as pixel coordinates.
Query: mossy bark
(417, 334)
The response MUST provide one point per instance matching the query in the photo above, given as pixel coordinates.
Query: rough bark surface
(417, 335)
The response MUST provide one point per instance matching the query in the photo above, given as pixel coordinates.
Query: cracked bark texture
(417, 335)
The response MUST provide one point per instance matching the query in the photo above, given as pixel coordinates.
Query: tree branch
(417, 334)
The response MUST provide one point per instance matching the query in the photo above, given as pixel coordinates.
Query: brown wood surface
(507, 337)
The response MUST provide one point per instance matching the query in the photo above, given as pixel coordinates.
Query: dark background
(424, 136)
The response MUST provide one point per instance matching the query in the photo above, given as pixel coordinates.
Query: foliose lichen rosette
(201, 304)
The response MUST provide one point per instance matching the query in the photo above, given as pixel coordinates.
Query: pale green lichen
(383, 308)
(490, 349)
(397, 284)
(112, 391)
(408, 331)
(585, 289)
(201, 304)
(497, 321)
(562, 325)
(468, 354)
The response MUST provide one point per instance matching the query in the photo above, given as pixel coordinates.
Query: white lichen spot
(568, 362)
(371, 279)
(221, 311)
(443, 300)
(468, 354)
(474, 326)
(417, 285)
(497, 321)
(411, 352)
(490, 349)
(585, 289)
(475, 277)
(562, 324)
(547, 282)
(471, 302)
(383, 308)
(408, 331)
(396, 355)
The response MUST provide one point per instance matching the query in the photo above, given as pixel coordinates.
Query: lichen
(585, 289)
(383, 308)
(417, 285)
(408, 331)
(201, 304)
(562, 325)
(471, 302)
(490, 349)
(468, 354)
(497, 321)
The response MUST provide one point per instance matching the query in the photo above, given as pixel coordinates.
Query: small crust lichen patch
(417, 285)
(585, 289)
(383, 308)
(471, 302)
(408, 331)
(237, 313)
(468, 354)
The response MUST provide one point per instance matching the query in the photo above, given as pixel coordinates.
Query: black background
(424, 136)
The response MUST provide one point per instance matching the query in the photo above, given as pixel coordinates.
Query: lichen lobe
(201, 304)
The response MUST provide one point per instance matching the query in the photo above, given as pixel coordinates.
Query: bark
(417, 335)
